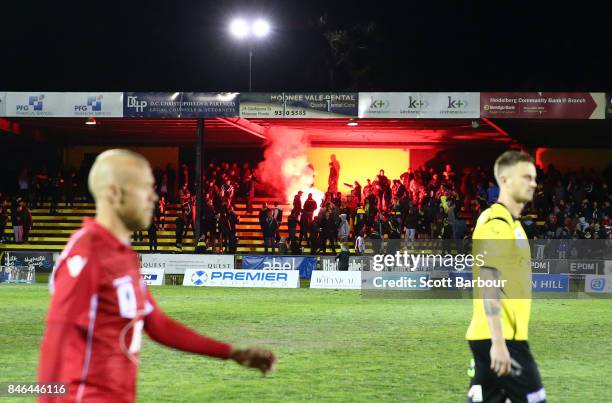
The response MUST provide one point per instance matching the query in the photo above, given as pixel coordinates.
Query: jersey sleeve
(493, 243)
(167, 331)
(74, 283)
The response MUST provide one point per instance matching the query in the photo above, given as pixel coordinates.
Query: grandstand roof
(240, 132)
(243, 132)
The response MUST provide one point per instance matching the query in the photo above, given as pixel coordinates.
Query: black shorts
(522, 385)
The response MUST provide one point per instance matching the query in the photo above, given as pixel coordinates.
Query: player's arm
(167, 331)
(71, 316)
(500, 356)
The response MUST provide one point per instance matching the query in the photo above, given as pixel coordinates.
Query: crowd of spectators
(444, 205)
(420, 204)
(221, 185)
(575, 205)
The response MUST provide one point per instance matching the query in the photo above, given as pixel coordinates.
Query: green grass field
(332, 346)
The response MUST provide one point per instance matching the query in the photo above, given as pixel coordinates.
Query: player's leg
(484, 386)
(524, 384)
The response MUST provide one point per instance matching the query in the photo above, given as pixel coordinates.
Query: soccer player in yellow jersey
(497, 335)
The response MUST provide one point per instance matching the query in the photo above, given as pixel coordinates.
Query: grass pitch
(332, 346)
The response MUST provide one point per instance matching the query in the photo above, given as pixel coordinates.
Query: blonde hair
(509, 159)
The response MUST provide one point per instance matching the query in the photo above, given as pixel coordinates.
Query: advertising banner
(64, 104)
(94, 104)
(356, 263)
(41, 261)
(2, 103)
(584, 266)
(152, 276)
(298, 104)
(180, 104)
(443, 105)
(305, 264)
(35, 104)
(343, 280)
(543, 105)
(542, 266)
(608, 267)
(598, 284)
(242, 278)
(177, 264)
(609, 105)
(549, 283)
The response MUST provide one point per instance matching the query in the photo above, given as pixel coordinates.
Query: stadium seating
(52, 231)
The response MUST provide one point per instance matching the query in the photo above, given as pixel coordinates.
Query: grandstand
(52, 231)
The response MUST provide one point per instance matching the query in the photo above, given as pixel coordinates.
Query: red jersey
(99, 308)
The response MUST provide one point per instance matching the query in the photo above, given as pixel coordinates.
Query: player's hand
(263, 360)
(500, 358)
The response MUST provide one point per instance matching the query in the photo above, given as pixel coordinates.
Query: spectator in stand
(248, 183)
(227, 191)
(351, 211)
(23, 184)
(305, 228)
(4, 206)
(208, 220)
(355, 192)
(164, 186)
(16, 219)
(410, 223)
(184, 175)
(551, 226)
(72, 187)
(184, 194)
(283, 246)
(343, 258)
(297, 203)
(232, 221)
(269, 228)
(26, 219)
(359, 244)
(56, 185)
(334, 174)
(315, 235)
(295, 247)
(492, 193)
(292, 223)
(178, 232)
(277, 214)
(152, 234)
(310, 205)
(329, 231)
(368, 188)
(343, 229)
(162, 210)
(186, 212)
(449, 175)
(263, 214)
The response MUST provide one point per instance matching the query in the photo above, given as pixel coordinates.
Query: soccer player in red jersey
(100, 305)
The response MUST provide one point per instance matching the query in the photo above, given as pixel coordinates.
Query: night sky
(386, 46)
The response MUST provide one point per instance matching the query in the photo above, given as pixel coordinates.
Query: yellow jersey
(502, 243)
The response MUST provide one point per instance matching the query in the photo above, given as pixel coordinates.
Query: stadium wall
(574, 158)
(158, 157)
(358, 164)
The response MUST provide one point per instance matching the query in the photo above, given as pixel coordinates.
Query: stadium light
(243, 29)
(239, 28)
(261, 28)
